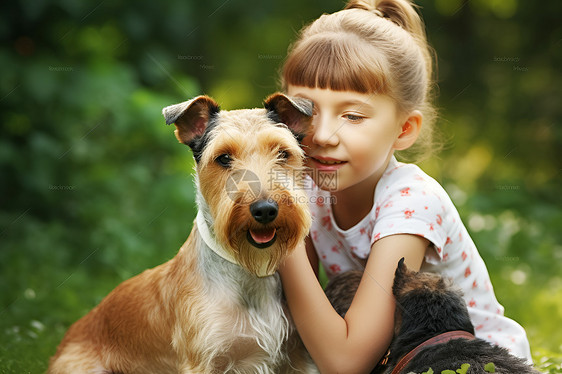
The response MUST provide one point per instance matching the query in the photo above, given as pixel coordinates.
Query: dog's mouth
(262, 238)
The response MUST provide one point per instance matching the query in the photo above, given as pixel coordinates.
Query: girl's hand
(354, 344)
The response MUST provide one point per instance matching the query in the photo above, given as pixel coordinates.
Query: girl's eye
(224, 160)
(353, 118)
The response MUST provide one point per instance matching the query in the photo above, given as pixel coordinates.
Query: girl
(368, 71)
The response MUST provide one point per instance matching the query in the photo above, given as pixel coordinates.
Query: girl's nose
(325, 132)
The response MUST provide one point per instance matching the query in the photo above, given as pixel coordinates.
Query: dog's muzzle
(263, 211)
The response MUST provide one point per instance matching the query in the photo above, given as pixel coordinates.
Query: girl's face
(353, 135)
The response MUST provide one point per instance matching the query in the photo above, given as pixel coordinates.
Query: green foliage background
(94, 188)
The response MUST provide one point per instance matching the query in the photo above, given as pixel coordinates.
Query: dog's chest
(242, 322)
(253, 311)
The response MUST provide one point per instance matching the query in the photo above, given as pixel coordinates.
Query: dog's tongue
(262, 236)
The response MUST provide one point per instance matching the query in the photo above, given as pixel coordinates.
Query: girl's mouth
(326, 163)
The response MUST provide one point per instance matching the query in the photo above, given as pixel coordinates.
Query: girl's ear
(410, 131)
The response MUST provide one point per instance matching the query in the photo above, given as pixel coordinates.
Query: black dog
(433, 331)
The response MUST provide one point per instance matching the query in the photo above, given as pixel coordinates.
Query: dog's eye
(283, 155)
(224, 160)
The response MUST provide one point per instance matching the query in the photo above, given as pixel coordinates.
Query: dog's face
(249, 174)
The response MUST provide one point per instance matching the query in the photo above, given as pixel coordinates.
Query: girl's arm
(354, 344)
(312, 255)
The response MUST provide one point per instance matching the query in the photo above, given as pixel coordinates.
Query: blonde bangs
(338, 63)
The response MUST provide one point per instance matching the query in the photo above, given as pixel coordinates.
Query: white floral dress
(408, 201)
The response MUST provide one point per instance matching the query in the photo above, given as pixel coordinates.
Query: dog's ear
(190, 117)
(400, 278)
(295, 112)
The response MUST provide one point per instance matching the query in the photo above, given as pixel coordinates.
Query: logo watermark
(286, 179)
(236, 182)
(508, 187)
(245, 186)
(507, 258)
(520, 68)
(269, 57)
(288, 199)
(189, 57)
(62, 188)
(506, 59)
(61, 68)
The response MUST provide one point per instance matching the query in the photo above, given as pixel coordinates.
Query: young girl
(368, 71)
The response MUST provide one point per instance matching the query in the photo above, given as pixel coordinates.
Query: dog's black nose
(264, 211)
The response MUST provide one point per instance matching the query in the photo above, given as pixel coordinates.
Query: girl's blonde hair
(371, 47)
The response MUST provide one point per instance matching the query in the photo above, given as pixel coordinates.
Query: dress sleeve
(410, 204)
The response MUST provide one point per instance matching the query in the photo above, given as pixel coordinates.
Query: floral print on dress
(408, 213)
(335, 268)
(327, 223)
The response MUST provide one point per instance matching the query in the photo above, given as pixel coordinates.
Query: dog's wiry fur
(216, 307)
(428, 305)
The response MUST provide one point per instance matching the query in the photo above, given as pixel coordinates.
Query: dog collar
(211, 243)
(439, 339)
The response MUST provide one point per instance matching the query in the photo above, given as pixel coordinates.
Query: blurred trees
(94, 187)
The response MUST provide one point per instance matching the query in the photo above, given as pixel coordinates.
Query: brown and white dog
(216, 307)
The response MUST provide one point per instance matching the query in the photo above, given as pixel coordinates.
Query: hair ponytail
(401, 12)
(404, 14)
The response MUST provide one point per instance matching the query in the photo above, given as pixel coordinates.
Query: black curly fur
(433, 307)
